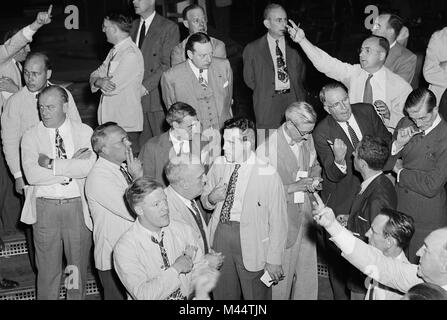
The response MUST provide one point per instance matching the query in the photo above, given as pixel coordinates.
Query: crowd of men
(180, 200)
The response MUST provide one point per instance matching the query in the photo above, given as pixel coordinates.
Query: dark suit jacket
(379, 194)
(341, 187)
(259, 74)
(402, 62)
(163, 35)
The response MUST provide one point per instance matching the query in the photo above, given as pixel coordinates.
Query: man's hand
(19, 185)
(215, 259)
(301, 185)
(316, 185)
(404, 135)
(275, 271)
(44, 160)
(105, 84)
(42, 19)
(183, 264)
(205, 282)
(218, 194)
(82, 154)
(398, 166)
(8, 85)
(339, 149)
(323, 215)
(190, 251)
(382, 109)
(134, 166)
(296, 34)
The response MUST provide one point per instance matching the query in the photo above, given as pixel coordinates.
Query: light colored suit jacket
(354, 77)
(436, 75)
(122, 105)
(104, 189)
(402, 62)
(163, 35)
(180, 212)
(36, 141)
(180, 84)
(178, 54)
(263, 224)
(19, 115)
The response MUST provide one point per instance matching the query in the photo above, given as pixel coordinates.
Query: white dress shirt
(59, 191)
(180, 146)
(197, 71)
(148, 22)
(354, 125)
(279, 85)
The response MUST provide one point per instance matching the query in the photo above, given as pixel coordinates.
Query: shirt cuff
(343, 168)
(18, 175)
(344, 239)
(394, 149)
(28, 33)
(398, 174)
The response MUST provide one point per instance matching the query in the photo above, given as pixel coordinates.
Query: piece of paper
(298, 197)
(267, 279)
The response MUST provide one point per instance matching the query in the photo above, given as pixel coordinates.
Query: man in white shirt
(106, 183)
(391, 272)
(158, 258)
(249, 222)
(194, 19)
(435, 66)
(120, 79)
(368, 82)
(202, 81)
(57, 157)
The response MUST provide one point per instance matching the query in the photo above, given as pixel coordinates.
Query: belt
(282, 91)
(59, 202)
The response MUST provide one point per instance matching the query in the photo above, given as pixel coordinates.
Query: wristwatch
(50, 164)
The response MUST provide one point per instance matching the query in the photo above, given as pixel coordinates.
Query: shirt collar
(434, 125)
(393, 44)
(368, 181)
(273, 40)
(176, 142)
(148, 232)
(63, 129)
(148, 20)
(250, 161)
(197, 70)
(109, 163)
(350, 120)
(444, 287)
(184, 200)
(117, 46)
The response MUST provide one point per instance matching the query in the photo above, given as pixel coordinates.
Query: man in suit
(389, 271)
(400, 60)
(435, 66)
(290, 149)
(13, 52)
(120, 79)
(203, 81)
(376, 193)
(184, 137)
(368, 82)
(106, 183)
(420, 156)
(335, 139)
(57, 157)
(20, 114)
(273, 70)
(156, 36)
(249, 222)
(195, 20)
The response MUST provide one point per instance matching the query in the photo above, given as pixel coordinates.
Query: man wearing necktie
(155, 36)
(120, 78)
(203, 81)
(57, 157)
(273, 70)
(420, 157)
(114, 171)
(249, 222)
(336, 138)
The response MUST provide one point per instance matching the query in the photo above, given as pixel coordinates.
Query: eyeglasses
(298, 129)
(368, 50)
(339, 104)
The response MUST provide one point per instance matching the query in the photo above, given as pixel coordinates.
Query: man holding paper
(290, 149)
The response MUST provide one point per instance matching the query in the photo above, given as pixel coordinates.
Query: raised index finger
(294, 26)
(50, 9)
(319, 201)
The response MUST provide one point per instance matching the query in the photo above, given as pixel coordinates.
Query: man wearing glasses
(290, 149)
(273, 70)
(368, 82)
(336, 137)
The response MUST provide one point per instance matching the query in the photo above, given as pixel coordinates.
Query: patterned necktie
(202, 80)
(354, 139)
(283, 75)
(228, 203)
(126, 175)
(177, 294)
(142, 34)
(197, 217)
(60, 151)
(368, 93)
(20, 68)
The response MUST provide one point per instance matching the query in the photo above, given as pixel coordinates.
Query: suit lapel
(265, 52)
(152, 33)
(336, 131)
(287, 156)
